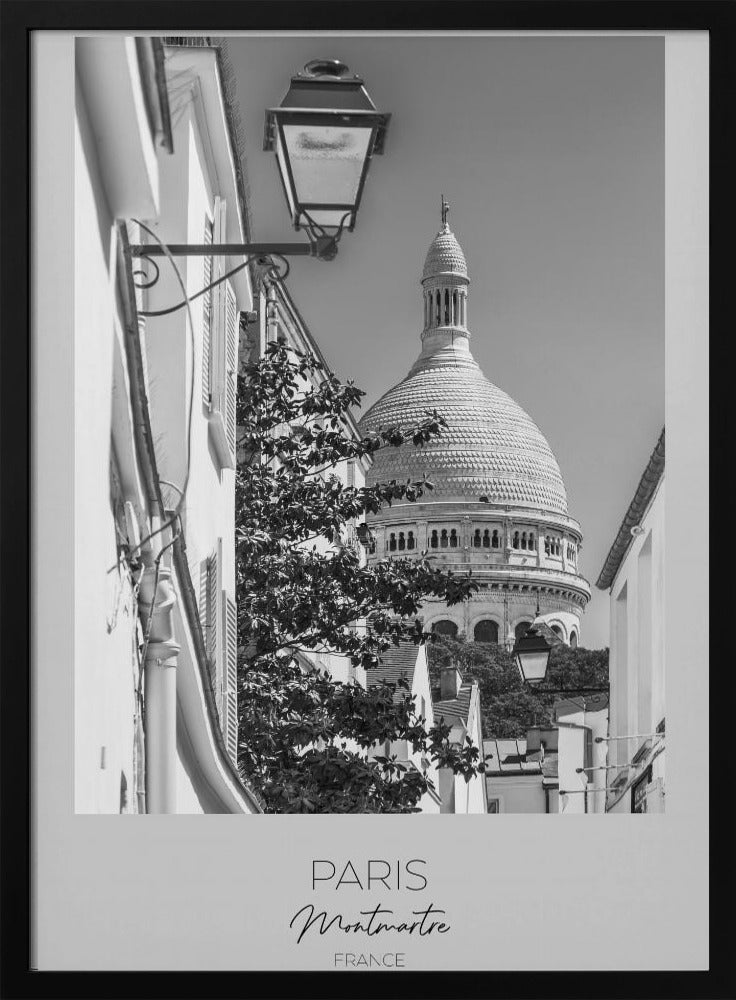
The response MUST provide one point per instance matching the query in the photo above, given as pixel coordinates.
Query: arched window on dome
(495, 541)
(443, 538)
(521, 629)
(557, 630)
(557, 547)
(392, 542)
(532, 544)
(433, 540)
(445, 627)
(515, 541)
(523, 540)
(438, 308)
(455, 310)
(476, 538)
(447, 308)
(453, 539)
(486, 539)
(486, 631)
(547, 545)
(573, 639)
(402, 541)
(410, 540)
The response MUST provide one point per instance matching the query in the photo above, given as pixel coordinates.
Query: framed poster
(264, 650)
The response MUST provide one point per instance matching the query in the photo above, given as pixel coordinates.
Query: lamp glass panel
(281, 159)
(532, 666)
(326, 162)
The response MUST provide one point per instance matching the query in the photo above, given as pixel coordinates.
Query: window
(445, 627)
(218, 616)
(486, 631)
(453, 539)
(476, 538)
(206, 316)
(410, 540)
(433, 540)
(532, 544)
(573, 640)
(521, 629)
(392, 542)
(402, 541)
(515, 541)
(220, 349)
(443, 538)
(487, 539)
(494, 805)
(495, 541)
(557, 630)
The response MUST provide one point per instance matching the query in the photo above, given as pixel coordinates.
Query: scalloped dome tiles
(445, 256)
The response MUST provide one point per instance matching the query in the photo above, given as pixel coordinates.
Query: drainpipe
(156, 596)
(156, 599)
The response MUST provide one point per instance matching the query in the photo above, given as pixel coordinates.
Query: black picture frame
(18, 20)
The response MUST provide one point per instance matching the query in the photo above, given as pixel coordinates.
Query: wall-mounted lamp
(324, 133)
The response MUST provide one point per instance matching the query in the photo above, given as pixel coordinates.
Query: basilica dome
(498, 508)
(491, 446)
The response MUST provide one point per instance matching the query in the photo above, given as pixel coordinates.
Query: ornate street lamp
(531, 652)
(324, 134)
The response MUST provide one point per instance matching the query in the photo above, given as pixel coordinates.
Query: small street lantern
(532, 656)
(324, 134)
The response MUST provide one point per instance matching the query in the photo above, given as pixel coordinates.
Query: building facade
(156, 631)
(499, 505)
(633, 574)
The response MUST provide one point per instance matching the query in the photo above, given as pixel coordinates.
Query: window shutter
(231, 365)
(217, 322)
(230, 699)
(208, 611)
(207, 320)
(223, 342)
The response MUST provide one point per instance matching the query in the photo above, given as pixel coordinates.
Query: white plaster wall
(524, 794)
(572, 755)
(637, 668)
(105, 615)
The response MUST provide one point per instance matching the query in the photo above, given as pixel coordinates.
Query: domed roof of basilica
(491, 446)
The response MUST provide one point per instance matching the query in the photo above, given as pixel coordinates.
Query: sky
(550, 151)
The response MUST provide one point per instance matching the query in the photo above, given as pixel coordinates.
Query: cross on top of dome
(445, 213)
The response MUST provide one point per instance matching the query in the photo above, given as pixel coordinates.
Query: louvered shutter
(217, 321)
(231, 365)
(207, 321)
(230, 700)
(208, 610)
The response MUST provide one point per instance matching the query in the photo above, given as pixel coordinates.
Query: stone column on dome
(422, 536)
(380, 533)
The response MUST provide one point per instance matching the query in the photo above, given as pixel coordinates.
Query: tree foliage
(308, 742)
(508, 707)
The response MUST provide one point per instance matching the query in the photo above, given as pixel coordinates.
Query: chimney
(450, 680)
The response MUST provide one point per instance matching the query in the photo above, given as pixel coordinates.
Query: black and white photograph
(382, 527)
(358, 359)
